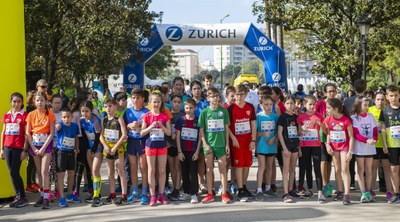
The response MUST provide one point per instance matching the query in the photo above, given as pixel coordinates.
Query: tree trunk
(279, 36)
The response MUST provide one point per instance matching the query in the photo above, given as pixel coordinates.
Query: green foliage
(331, 27)
(157, 66)
(74, 41)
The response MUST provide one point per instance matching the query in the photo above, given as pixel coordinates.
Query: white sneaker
(184, 197)
(203, 188)
(193, 199)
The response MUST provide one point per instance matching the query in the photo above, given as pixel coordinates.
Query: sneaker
(12, 204)
(308, 194)
(194, 199)
(300, 187)
(270, 193)
(57, 194)
(73, 199)
(51, 197)
(144, 200)
(89, 199)
(36, 186)
(185, 197)
(249, 194)
(39, 202)
(260, 196)
(22, 202)
(339, 196)
(287, 198)
(233, 188)
(327, 191)
(220, 190)
(346, 200)
(274, 188)
(395, 198)
(203, 188)
(364, 198)
(388, 196)
(321, 199)
(31, 189)
(293, 194)
(208, 198)
(134, 197)
(371, 196)
(45, 204)
(110, 199)
(120, 201)
(242, 196)
(161, 198)
(174, 196)
(153, 200)
(96, 202)
(225, 198)
(352, 186)
(63, 202)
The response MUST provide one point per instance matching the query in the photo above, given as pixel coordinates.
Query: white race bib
(90, 136)
(189, 134)
(338, 136)
(267, 126)
(292, 132)
(39, 139)
(12, 129)
(68, 143)
(173, 130)
(242, 128)
(395, 132)
(310, 135)
(157, 135)
(135, 132)
(215, 125)
(111, 135)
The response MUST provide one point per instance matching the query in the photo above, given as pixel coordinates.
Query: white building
(187, 62)
(207, 65)
(231, 54)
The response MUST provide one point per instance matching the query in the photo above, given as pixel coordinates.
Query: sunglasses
(43, 87)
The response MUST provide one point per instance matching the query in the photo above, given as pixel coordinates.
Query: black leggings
(13, 159)
(80, 167)
(305, 165)
(189, 174)
(30, 170)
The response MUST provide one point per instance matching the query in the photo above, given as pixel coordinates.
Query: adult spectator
(187, 87)
(300, 92)
(64, 98)
(207, 80)
(41, 86)
(252, 96)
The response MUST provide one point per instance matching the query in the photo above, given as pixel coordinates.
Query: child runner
(187, 141)
(266, 145)
(56, 103)
(243, 135)
(380, 156)
(173, 161)
(31, 185)
(288, 137)
(12, 146)
(40, 132)
(157, 124)
(365, 130)
(67, 147)
(390, 119)
(136, 146)
(112, 137)
(214, 133)
(340, 145)
(310, 124)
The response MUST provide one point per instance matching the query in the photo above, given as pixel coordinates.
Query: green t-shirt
(213, 122)
(376, 113)
(391, 118)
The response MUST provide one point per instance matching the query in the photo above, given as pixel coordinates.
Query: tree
(332, 30)
(157, 66)
(75, 41)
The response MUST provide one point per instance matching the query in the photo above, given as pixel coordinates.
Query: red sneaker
(153, 200)
(30, 189)
(225, 198)
(36, 186)
(208, 199)
(161, 199)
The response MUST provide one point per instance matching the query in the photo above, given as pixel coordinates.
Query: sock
(144, 190)
(46, 194)
(124, 196)
(135, 190)
(96, 186)
(259, 190)
(41, 192)
(113, 195)
(267, 187)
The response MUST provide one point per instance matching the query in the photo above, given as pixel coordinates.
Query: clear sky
(204, 12)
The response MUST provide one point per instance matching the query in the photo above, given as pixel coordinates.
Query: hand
(23, 155)
(227, 149)
(348, 157)
(329, 150)
(252, 145)
(371, 141)
(76, 151)
(41, 152)
(385, 150)
(195, 156)
(300, 153)
(304, 127)
(235, 142)
(285, 152)
(154, 124)
(113, 150)
(136, 124)
(173, 136)
(131, 126)
(57, 127)
(207, 147)
(181, 157)
(2, 154)
(271, 141)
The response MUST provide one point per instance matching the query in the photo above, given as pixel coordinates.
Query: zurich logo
(262, 40)
(276, 77)
(144, 42)
(132, 78)
(174, 33)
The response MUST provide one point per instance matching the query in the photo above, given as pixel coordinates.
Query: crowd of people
(181, 131)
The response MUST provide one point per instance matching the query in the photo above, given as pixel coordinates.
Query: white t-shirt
(253, 98)
(365, 126)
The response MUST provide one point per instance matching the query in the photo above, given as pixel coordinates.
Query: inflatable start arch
(246, 34)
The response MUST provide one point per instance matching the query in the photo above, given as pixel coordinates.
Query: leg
(360, 173)
(13, 159)
(186, 172)
(338, 171)
(222, 171)
(151, 163)
(285, 171)
(111, 174)
(121, 172)
(46, 159)
(70, 181)
(38, 165)
(97, 160)
(162, 164)
(368, 173)
(143, 171)
(60, 183)
(133, 163)
(374, 173)
(209, 159)
(292, 167)
(302, 167)
(260, 170)
(352, 171)
(387, 174)
(201, 168)
(345, 172)
(316, 157)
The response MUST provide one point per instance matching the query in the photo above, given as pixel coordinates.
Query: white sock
(259, 190)
(267, 187)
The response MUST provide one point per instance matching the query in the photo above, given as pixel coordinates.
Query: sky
(204, 12)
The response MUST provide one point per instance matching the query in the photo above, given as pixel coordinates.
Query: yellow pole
(12, 71)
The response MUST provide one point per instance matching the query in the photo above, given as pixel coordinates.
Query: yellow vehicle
(251, 78)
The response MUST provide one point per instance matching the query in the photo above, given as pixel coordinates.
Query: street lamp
(364, 30)
(222, 78)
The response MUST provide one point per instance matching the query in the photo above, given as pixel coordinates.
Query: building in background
(231, 54)
(187, 62)
(207, 65)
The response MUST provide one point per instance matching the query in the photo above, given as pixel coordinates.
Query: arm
(328, 141)
(166, 129)
(227, 131)
(145, 129)
(351, 143)
(281, 139)
(76, 144)
(375, 133)
(28, 134)
(123, 136)
(2, 143)
(384, 139)
(181, 157)
(203, 139)
(253, 135)
(358, 136)
(103, 141)
(235, 142)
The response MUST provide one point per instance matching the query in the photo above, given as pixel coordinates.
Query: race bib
(111, 135)
(395, 132)
(39, 139)
(215, 125)
(189, 134)
(12, 129)
(338, 136)
(68, 143)
(157, 135)
(310, 135)
(267, 126)
(135, 132)
(90, 136)
(242, 128)
(292, 132)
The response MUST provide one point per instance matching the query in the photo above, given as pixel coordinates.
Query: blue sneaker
(133, 198)
(85, 188)
(73, 199)
(233, 188)
(220, 190)
(63, 202)
(144, 200)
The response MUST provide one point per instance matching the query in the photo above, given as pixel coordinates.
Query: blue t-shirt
(90, 128)
(202, 104)
(66, 137)
(131, 115)
(266, 123)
